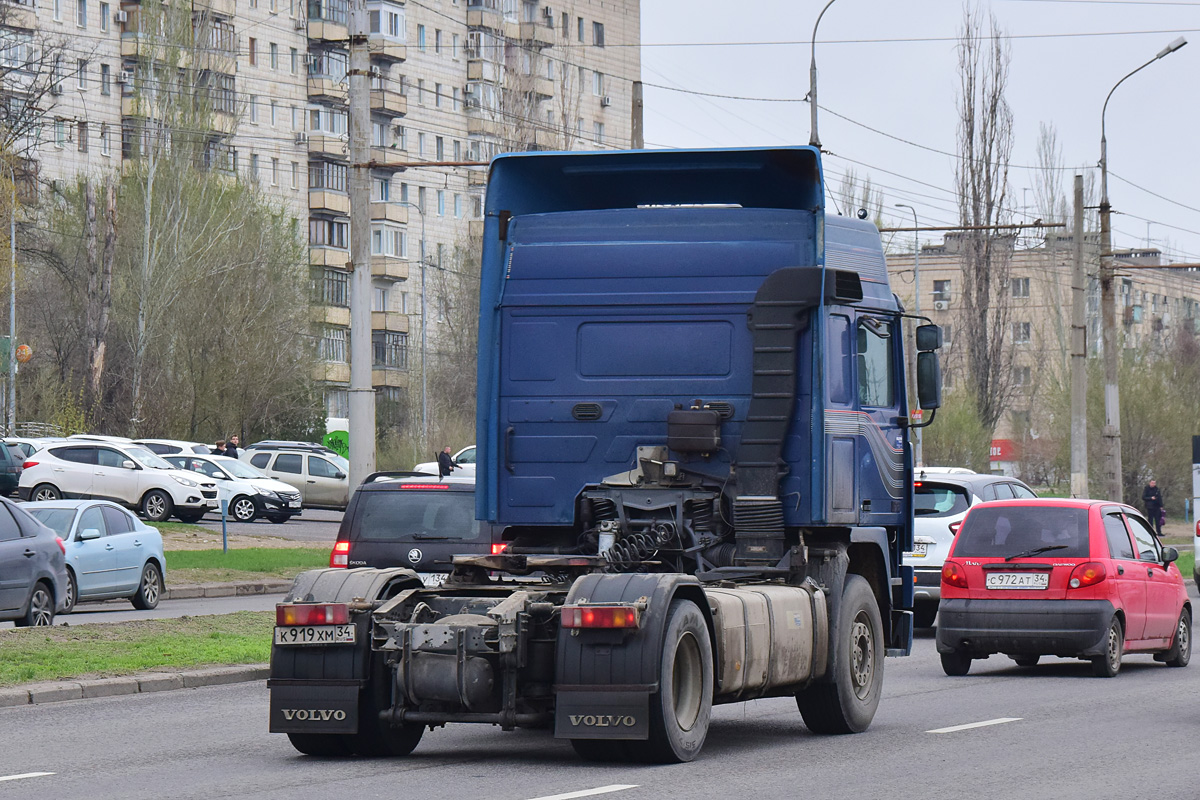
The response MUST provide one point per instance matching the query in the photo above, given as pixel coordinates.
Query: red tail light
(61, 544)
(29, 464)
(497, 549)
(953, 575)
(954, 526)
(607, 616)
(1089, 573)
(1198, 528)
(312, 614)
(340, 555)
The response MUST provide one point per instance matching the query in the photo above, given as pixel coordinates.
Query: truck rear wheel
(680, 711)
(848, 704)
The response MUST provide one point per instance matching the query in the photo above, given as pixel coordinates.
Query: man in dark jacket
(446, 463)
(1152, 499)
(231, 447)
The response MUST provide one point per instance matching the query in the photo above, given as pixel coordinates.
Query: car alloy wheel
(243, 509)
(41, 608)
(157, 506)
(46, 492)
(72, 593)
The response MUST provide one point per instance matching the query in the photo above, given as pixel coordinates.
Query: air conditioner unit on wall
(605, 101)
(124, 76)
(548, 12)
(941, 305)
(301, 24)
(301, 138)
(120, 16)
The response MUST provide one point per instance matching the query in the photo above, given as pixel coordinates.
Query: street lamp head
(1171, 48)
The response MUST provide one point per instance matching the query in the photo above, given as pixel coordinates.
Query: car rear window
(939, 499)
(406, 515)
(1005, 531)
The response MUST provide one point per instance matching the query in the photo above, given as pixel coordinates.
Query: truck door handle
(508, 437)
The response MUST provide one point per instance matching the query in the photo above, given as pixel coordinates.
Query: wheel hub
(862, 656)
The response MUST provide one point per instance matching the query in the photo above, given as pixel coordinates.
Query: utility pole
(362, 393)
(1079, 471)
(636, 140)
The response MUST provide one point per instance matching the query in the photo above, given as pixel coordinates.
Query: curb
(193, 591)
(57, 691)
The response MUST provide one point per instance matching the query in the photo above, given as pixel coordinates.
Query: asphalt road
(1054, 732)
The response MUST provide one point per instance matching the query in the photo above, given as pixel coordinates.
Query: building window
(253, 51)
(454, 46)
(390, 349)
(254, 167)
(1020, 332)
(421, 206)
(379, 298)
(333, 288)
(457, 99)
(327, 176)
(381, 190)
(1020, 377)
(566, 25)
(441, 197)
(295, 174)
(327, 232)
(104, 17)
(420, 145)
(81, 73)
(421, 38)
(1020, 287)
(458, 206)
(81, 19)
(274, 56)
(60, 132)
(337, 403)
(273, 107)
(440, 148)
(598, 34)
(598, 83)
(437, 42)
(420, 91)
(941, 291)
(82, 135)
(57, 10)
(579, 25)
(333, 345)
(386, 240)
(104, 143)
(295, 54)
(274, 171)
(105, 79)
(598, 130)
(253, 108)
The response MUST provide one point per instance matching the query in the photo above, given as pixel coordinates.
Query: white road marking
(616, 787)
(24, 775)
(984, 724)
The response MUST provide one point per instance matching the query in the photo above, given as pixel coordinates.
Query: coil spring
(635, 548)
(603, 508)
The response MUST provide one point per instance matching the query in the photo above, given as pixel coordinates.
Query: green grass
(253, 563)
(1186, 562)
(126, 648)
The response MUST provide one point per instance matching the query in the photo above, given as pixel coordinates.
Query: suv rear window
(939, 499)
(406, 515)
(1004, 531)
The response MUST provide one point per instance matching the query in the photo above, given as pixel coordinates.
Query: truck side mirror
(929, 378)
(929, 337)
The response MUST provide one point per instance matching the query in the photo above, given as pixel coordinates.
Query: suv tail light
(61, 544)
(953, 575)
(1089, 573)
(601, 616)
(312, 614)
(340, 555)
(1198, 528)
(29, 464)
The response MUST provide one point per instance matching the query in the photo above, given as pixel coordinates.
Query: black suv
(11, 459)
(397, 520)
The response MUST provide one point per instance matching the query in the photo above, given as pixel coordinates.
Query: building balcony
(327, 31)
(389, 268)
(537, 33)
(389, 376)
(328, 257)
(387, 321)
(385, 101)
(323, 86)
(321, 200)
(224, 8)
(477, 177)
(331, 315)
(543, 87)
(480, 69)
(332, 372)
(478, 125)
(384, 49)
(136, 105)
(388, 158)
(212, 61)
(17, 15)
(475, 228)
(327, 144)
(224, 122)
(131, 45)
(489, 18)
(389, 212)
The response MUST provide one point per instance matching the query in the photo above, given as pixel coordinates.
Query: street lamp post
(1108, 298)
(12, 306)
(813, 139)
(424, 385)
(919, 453)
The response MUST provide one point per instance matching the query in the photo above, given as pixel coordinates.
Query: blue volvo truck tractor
(693, 426)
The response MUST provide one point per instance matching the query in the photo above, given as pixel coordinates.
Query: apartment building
(453, 82)
(1154, 304)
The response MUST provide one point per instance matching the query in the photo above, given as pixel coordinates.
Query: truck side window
(839, 360)
(875, 379)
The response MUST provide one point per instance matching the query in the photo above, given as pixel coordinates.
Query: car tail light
(1089, 573)
(953, 575)
(954, 526)
(1198, 529)
(601, 616)
(61, 544)
(497, 549)
(312, 614)
(29, 464)
(340, 555)
(917, 483)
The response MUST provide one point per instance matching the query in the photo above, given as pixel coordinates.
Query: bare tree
(32, 67)
(854, 193)
(985, 139)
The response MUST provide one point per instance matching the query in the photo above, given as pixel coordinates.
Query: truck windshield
(1005, 531)
(938, 499)
(399, 516)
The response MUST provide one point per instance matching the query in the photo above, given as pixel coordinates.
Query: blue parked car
(110, 552)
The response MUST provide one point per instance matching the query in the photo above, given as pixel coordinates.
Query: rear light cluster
(953, 575)
(497, 549)
(1089, 573)
(601, 616)
(340, 555)
(312, 614)
(61, 544)
(29, 464)
(954, 526)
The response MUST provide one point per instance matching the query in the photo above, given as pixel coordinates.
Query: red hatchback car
(1070, 578)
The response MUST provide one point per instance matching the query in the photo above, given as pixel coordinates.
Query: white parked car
(249, 493)
(30, 445)
(127, 474)
(465, 459)
(166, 447)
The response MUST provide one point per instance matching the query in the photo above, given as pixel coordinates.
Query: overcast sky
(891, 65)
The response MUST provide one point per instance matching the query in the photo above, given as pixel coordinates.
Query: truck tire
(319, 744)
(848, 704)
(375, 738)
(681, 709)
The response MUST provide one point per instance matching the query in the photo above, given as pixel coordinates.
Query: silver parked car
(33, 568)
(941, 497)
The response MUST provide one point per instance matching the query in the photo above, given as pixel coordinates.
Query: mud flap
(324, 707)
(602, 715)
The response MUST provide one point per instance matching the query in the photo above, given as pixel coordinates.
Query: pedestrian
(218, 449)
(1152, 499)
(231, 447)
(446, 463)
